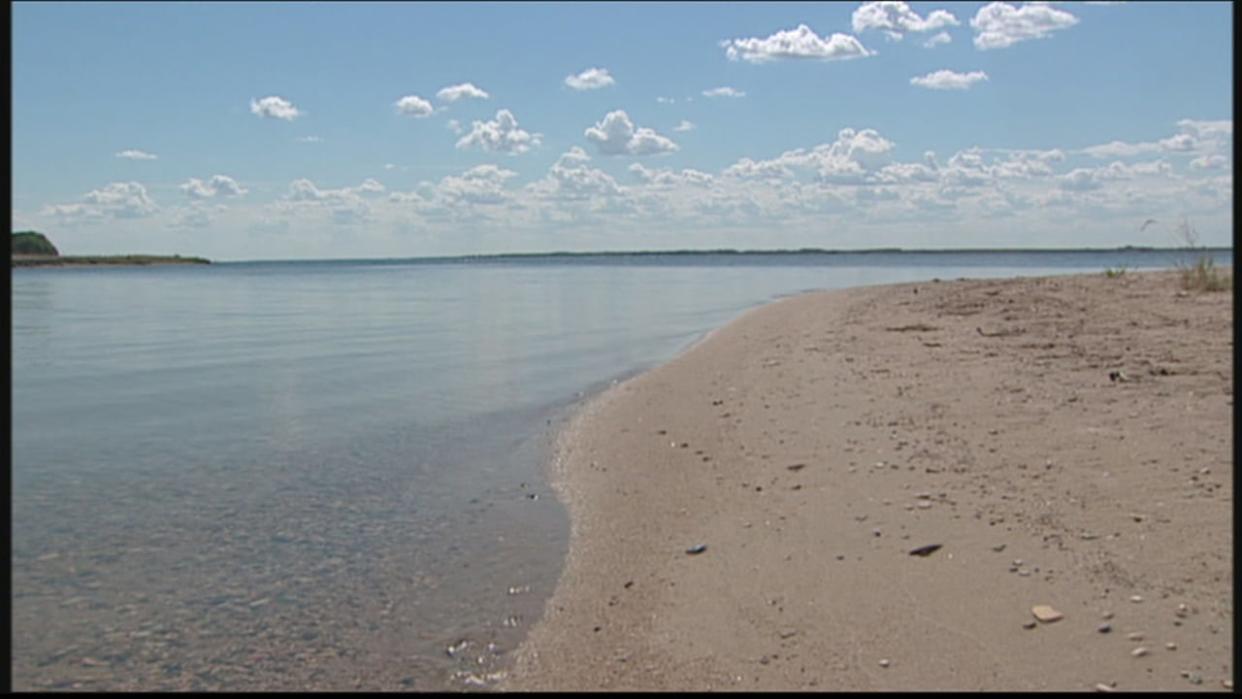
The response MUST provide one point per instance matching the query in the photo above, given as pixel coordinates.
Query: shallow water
(325, 475)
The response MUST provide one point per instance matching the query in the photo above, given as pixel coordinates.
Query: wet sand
(1066, 441)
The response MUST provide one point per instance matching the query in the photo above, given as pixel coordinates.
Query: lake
(329, 475)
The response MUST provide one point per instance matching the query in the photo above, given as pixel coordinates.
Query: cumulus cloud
(896, 18)
(850, 159)
(1195, 137)
(949, 80)
(937, 39)
(590, 79)
(136, 155)
(217, 185)
(998, 24)
(1209, 162)
(723, 92)
(801, 42)
(617, 135)
(665, 100)
(346, 205)
(414, 106)
(309, 139)
(454, 126)
(116, 200)
(571, 178)
(452, 93)
(685, 126)
(274, 107)
(500, 135)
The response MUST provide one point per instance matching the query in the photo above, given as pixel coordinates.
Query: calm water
(326, 475)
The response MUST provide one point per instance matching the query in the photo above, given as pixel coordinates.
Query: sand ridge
(1065, 440)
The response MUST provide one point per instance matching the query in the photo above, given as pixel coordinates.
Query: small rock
(1106, 615)
(1171, 645)
(998, 548)
(1182, 610)
(924, 504)
(1139, 652)
(1136, 598)
(796, 467)
(1104, 688)
(884, 662)
(1136, 636)
(1029, 625)
(1104, 628)
(696, 549)
(876, 531)
(1227, 684)
(1046, 614)
(788, 633)
(1024, 573)
(925, 551)
(1195, 678)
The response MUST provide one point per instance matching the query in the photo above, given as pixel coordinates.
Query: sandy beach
(1065, 441)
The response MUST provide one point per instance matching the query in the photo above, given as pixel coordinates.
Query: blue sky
(292, 130)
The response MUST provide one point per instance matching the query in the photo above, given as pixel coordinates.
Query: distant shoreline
(503, 256)
(103, 260)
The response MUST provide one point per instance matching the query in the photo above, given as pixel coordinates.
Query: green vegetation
(31, 249)
(1115, 272)
(1202, 274)
(32, 243)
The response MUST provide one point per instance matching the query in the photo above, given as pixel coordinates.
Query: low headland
(33, 249)
(1018, 484)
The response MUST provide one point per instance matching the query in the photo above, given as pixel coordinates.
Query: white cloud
(570, 178)
(415, 106)
(116, 200)
(723, 92)
(1202, 137)
(849, 159)
(998, 24)
(685, 126)
(346, 205)
(275, 108)
(136, 155)
(309, 139)
(795, 43)
(938, 39)
(949, 80)
(1209, 162)
(617, 135)
(500, 135)
(452, 93)
(896, 18)
(217, 185)
(590, 79)
(454, 126)
(665, 100)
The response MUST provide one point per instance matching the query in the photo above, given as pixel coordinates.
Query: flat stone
(1136, 598)
(1101, 687)
(1046, 614)
(1139, 652)
(1136, 636)
(884, 662)
(1104, 628)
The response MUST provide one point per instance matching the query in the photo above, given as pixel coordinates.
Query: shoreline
(77, 261)
(812, 442)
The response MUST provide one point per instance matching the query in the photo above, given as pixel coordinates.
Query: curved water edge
(244, 476)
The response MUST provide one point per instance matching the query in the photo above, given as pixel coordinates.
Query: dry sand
(812, 443)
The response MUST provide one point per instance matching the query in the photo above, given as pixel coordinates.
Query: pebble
(1104, 628)
(1227, 684)
(1046, 614)
(1136, 598)
(998, 548)
(1195, 678)
(1024, 573)
(1139, 652)
(1029, 625)
(1182, 610)
(1171, 645)
(1101, 687)
(696, 549)
(1136, 636)
(1106, 615)
(884, 662)
(923, 504)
